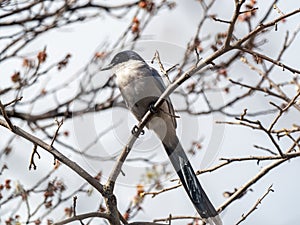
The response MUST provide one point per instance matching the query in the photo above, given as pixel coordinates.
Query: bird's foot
(153, 109)
(135, 131)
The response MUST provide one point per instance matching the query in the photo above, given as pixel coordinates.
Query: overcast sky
(168, 33)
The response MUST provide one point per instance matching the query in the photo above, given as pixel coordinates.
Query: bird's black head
(122, 57)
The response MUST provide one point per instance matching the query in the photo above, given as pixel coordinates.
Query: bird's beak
(108, 67)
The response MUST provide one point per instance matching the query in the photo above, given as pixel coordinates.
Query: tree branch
(84, 216)
(53, 151)
(255, 206)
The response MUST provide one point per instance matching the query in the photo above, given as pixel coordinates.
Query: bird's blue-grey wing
(162, 87)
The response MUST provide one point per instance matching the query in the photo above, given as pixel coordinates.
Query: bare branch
(59, 124)
(250, 182)
(53, 151)
(238, 5)
(84, 216)
(244, 217)
(34, 152)
(8, 122)
(275, 62)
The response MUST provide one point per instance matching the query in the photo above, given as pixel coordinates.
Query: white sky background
(172, 28)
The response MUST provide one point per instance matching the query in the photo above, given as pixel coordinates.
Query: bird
(141, 86)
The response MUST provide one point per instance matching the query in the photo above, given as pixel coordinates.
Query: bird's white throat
(127, 71)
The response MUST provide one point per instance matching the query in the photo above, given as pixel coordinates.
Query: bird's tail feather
(190, 182)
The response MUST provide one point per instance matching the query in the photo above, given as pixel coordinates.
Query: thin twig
(281, 111)
(57, 154)
(250, 182)
(9, 123)
(34, 152)
(59, 124)
(273, 61)
(74, 205)
(238, 5)
(13, 101)
(244, 216)
(154, 193)
(84, 216)
(171, 217)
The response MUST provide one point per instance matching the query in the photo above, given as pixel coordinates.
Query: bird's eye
(116, 59)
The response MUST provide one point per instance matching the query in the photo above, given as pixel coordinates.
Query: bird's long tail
(189, 181)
